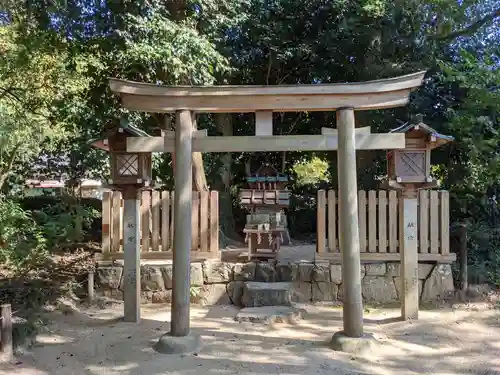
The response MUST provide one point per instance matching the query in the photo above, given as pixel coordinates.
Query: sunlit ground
(441, 342)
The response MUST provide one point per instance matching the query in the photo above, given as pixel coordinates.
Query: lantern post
(409, 170)
(131, 173)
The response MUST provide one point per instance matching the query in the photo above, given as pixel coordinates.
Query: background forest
(57, 55)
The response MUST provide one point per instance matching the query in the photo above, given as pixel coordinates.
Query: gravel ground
(463, 340)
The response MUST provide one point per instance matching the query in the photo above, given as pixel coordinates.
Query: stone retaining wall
(215, 282)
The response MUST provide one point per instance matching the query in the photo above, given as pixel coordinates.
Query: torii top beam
(379, 94)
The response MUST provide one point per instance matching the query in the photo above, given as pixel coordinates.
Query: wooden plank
(332, 221)
(445, 222)
(204, 221)
(382, 221)
(423, 226)
(165, 221)
(372, 221)
(116, 221)
(393, 221)
(145, 217)
(195, 221)
(214, 221)
(321, 222)
(172, 218)
(362, 220)
(273, 143)
(106, 221)
(388, 257)
(155, 230)
(264, 123)
(434, 221)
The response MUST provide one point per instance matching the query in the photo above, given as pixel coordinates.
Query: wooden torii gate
(185, 101)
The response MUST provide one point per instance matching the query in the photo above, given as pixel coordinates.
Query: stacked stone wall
(216, 282)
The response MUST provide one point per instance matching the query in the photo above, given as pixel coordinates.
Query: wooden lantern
(127, 168)
(412, 165)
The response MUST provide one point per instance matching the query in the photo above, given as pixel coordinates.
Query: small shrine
(266, 224)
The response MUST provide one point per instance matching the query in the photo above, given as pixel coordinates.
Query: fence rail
(379, 222)
(157, 222)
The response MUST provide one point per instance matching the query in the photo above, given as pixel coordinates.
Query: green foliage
(311, 171)
(22, 240)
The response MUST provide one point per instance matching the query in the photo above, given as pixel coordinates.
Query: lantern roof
(102, 143)
(421, 128)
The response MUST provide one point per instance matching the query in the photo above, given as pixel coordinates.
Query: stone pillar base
(168, 344)
(353, 345)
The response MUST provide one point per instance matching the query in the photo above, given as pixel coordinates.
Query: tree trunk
(199, 177)
(224, 126)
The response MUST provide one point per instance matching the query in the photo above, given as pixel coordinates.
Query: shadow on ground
(96, 341)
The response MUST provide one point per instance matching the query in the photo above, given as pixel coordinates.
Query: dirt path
(444, 342)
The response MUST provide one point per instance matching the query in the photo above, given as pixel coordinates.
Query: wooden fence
(379, 225)
(157, 224)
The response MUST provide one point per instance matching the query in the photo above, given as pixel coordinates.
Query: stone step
(270, 314)
(257, 294)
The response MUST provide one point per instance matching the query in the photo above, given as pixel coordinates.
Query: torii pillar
(180, 339)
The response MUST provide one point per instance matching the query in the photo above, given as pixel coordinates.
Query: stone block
(270, 314)
(439, 284)
(375, 269)
(216, 272)
(321, 272)
(256, 294)
(167, 272)
(378, 288)
(397, 285)
(196, 275)
(214, 294)
(235, 290)
(287, 271)
(424, 270)
(301, 292)
(265, 272)
(162, 297)
(393, 269)
(146, 297)
(109, 277)
(305, 272)
(152, 278)
(244, 272)
(324, 291)
(336, 273)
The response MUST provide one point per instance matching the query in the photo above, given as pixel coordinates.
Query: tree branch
(472, 28)
(10, 163)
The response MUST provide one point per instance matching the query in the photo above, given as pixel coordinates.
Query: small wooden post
(183, 201)
(90, 287)
(131, 256)
(464, 283)
(349, 226)
(409, 254)
(6, 348)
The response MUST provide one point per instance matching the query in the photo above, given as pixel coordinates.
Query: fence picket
(204, 221)
(382, 221)
(445, 222)
(393, 221)
(165, 221)
(423, 225)
(195, 220)
(372, 221)
(362, 220)
(321, 219)
(332, 223)
(155, 227)
(434, 220)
